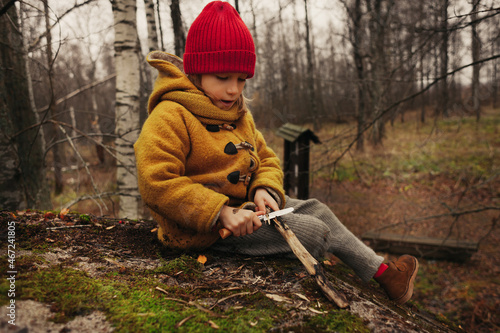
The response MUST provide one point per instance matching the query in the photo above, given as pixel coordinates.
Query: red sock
(381, 270)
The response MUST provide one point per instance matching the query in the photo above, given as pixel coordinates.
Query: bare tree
(179, 34)
(310, 73)
(54, 132)
(356, 34)
(127, 103)
(162, 46)
(476, 52)
(22, 171)
(495, 47)
(444, 94)
(151, 24)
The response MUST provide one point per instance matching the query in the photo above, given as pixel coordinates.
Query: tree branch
(86, 169)
(7, 6)
(39, 38)
(99, 195)
(432, 217)
(78, 91)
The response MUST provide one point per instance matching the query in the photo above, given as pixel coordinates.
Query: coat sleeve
(161, 152)
(269, 174)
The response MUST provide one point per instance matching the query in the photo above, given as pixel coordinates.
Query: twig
(231, 296)
(199, 307)
(81, 133)
(425, 218)
(183, 321)
(86, 169)
(69, 226)
(75, 6)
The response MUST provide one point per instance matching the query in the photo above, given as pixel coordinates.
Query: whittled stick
(313, 267)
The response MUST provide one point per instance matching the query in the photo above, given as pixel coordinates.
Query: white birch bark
(127, 104)
(149, 7)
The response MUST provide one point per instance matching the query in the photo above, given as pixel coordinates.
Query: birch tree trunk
(22, 171)
(127, 104)
(151, 23)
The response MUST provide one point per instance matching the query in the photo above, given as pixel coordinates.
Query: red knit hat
(219, 42)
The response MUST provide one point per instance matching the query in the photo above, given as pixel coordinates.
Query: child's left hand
(262, 199)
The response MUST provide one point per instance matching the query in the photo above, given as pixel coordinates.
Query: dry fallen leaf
(302, 296)
(202, 259)
(154, 230)
(109, 228)
(279, 298)
(328, 263)
(316, 311)
(63, 213)
(213, 325)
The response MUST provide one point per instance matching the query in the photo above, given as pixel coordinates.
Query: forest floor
(440, 181)
(436, 180)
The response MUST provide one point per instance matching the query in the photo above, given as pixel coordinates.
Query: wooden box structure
(296, 158)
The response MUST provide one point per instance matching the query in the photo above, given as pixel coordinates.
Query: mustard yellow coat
(193, 158)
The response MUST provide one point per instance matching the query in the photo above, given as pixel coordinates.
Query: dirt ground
(99, 247)
(467, 293)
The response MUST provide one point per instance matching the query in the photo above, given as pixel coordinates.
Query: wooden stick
(313, 267)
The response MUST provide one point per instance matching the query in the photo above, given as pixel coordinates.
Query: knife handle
(225, 233)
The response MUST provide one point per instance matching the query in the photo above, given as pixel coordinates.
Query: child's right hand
(240, 222)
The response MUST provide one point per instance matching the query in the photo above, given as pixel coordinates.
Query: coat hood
(172, 84)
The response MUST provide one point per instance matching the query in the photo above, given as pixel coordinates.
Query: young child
(203, 166)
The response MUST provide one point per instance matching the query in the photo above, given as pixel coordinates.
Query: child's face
(223, 89)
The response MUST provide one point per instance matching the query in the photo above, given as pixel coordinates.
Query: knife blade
(272, 215)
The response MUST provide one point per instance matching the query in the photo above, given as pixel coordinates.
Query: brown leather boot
(398, 279)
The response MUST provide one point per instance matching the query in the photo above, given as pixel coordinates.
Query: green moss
(135, 305)
(71, 292)
(184, 266)
(85, 218)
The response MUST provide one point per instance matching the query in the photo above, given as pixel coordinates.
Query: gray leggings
(318, 229)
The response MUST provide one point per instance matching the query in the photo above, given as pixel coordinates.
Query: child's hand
(240, 222)
(263, 198)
